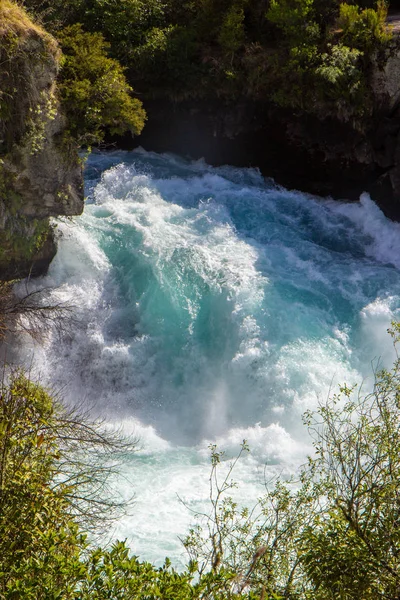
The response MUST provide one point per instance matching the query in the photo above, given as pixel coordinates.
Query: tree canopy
(311, 55)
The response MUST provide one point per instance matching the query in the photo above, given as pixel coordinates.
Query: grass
(16, 24)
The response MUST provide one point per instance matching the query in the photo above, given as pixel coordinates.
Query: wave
(211, 305)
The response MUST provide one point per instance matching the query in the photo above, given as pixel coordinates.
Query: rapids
(212, 305)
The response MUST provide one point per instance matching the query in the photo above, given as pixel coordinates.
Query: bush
(39, 543)
(116, 574)
(353, 545)
(123, 23)
(51, 478)
(335, 532)
(279, 51)
(54, 469)
(292, 17)
(232, 35)
(364, 29)
(340, 78)
(94, 92)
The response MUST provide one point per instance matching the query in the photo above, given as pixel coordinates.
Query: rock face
(322, 155)
(40, 172)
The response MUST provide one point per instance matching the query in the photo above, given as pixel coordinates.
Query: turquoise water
(211, 305)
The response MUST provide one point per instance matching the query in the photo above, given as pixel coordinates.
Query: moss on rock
(40, 174)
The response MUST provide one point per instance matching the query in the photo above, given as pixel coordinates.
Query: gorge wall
(40, 172)
(319, 153)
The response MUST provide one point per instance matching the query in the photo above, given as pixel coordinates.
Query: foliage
(334, 533)
(16, 25)
(44, 477)
(123, 22)
(115, 574)
(39, 118)
(289, 52)
(21, 238)
(54, 467)
(292, 17)
(94, 91)
(339, 77)
(251, 549)
(37, 538)
(322, 70)
(232, 34)
(353, 547)
(23, 46)
(364, 29)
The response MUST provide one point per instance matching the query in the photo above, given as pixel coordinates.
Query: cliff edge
(40, 171)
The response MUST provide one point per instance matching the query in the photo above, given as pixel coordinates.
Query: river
(210, 305)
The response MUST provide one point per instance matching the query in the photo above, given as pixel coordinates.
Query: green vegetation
(54, 465)
(331, 534)
(311, 55)
(14, 241)
(93, 88)
(16, 245)
(23, 44)
(364, 29)
(39, 544)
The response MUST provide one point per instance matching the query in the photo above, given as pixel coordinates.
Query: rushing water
(211, 305)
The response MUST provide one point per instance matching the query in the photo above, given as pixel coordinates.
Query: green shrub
(44, 476)
(280, 51)
(39, 544)
(364, 29)
(116, 574)
(94, 92)
(232, 34)
(123, 23)
(292, 17)
(166, 63)
(340, 75)
(334, 533)
(353, 545)
(152, 55)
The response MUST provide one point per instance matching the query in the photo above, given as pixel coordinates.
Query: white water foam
(212, 307)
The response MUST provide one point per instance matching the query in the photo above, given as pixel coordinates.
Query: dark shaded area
(327, 158)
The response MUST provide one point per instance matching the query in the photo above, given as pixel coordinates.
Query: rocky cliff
(315, 151)
(40, 173)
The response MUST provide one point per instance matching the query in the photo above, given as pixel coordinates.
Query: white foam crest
(268, 445)
(251, 347)
(81, 257)
(148, 440)
(206, 235)
(250, 175)
(384, 234)
(309, 371)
